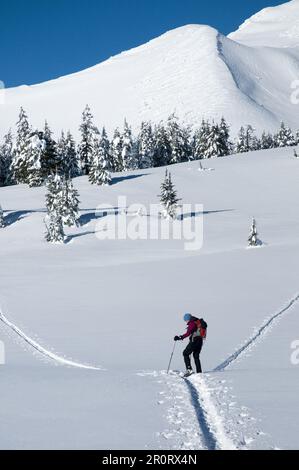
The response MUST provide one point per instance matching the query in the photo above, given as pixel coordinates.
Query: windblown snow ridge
(42, 350)
(260, 332)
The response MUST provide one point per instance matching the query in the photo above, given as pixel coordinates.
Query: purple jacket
(192, 328)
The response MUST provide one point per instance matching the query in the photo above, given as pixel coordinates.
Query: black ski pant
(194, 347)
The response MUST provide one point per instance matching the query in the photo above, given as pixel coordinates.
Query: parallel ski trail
(263, 330)
(42, 350)
(209, 420)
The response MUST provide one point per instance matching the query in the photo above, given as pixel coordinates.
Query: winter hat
(187, 317)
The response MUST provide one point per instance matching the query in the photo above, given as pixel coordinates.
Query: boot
(188, 373)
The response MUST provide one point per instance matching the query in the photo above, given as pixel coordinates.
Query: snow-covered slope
(272, 27)
(193, 71)
(118, 304)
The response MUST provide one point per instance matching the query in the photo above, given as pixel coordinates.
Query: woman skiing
(196, 331)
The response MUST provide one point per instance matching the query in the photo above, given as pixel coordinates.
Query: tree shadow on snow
(70, 238)
(85, 219)
(120, 179)
(11, 217)
(190, 215)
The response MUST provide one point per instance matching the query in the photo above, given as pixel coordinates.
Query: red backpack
(202, 327)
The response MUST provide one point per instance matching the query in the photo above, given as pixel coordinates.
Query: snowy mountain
(271, 27)
(90, 324)
(194, 71)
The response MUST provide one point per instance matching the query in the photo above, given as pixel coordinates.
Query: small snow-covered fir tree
(33, 159)
(54, 196)
(88, 132)
(54, 229)
(162, 147)
(168, 197)
(267, 141)
(61, 155)
(51, 159)
(253, 237)
(186, 135)
(62, 200)
(55, 209)
(2, 222)
(19, 164)
(284, 137)
(129, 155)
(199, 145)
(215, 145)
(116, 151)
(146, 146)
(246, 140)
(226, 145)
(176, 140)
(6, 158)
(296, 154)
(70, 204)
(67, 155)
(100, 161)
(71, 163)
(240, 146)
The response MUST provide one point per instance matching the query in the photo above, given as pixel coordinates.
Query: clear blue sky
(44, 39)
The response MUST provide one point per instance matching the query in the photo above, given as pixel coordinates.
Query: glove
(178, 338)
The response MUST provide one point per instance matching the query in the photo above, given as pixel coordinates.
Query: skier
(196, 331)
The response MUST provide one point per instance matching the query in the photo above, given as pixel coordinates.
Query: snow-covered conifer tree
(116, 148)
(168, 197)
(146, 146)
(54, 204)
(67, 155)
(186, 143)
(2, 222)
(226, 146)
(253, 237)
(240, 146)
(162, 148)
(34, 159)
(100, 162)
(214, 142)
(88, 132)
(51, 159)
(70, 204)
(129, 155)
(6, 158)
(54, 196)
(71, 163)
(200, 139)
(267, 141)
(246, 140)
(176, 140)
(284, 137)
(54, 229)
(19, 163)
(62, 200)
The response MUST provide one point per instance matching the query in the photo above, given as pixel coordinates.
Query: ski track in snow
(262, 331)
(50, 355)
(209, 420)
(203, 429)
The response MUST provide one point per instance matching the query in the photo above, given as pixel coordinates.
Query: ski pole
(171, 358)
